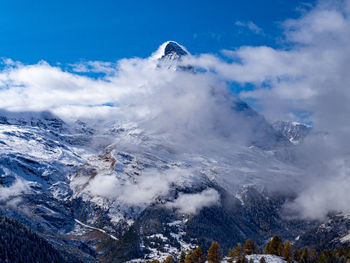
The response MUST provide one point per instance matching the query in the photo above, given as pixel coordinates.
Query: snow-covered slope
(123, 191)
(62, 178)
(330, 234)
(256, 258)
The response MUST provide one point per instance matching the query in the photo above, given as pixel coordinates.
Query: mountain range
(116, 192)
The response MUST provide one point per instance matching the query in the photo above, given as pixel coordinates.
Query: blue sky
(69, 31)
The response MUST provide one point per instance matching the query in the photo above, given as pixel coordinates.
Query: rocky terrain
(116, 192)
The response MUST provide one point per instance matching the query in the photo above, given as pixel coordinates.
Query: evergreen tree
(305, 256)
(190, 258)
(347, 252)
(242, 259)
(262, 260)
(339, 252)
(280, 249)
(274, 246)
(182, 257)
(214, 253)
(287, 251)
(249, 247)
(236, 252)
(18, 243)
(169, 259)
(200, 258)
(297, 255)
(313, 256)
(327, 256)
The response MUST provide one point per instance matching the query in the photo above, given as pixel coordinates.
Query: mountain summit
(170, 54)
(201, 166)
(171, 50)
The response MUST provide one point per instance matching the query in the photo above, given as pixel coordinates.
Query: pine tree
(274, 246)
(347, 252)
(190, 258)
(287, 251)
(18, 243)
(305, 256)
(169, 259)
(340, 252)
(326, 256)
(313, 256)
(214, 253)
(297, 254)
(200, 258)
(236, 252)
(280, 249)
(249, 247)
(242, 259)
(182, 257)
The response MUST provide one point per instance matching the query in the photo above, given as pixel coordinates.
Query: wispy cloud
(193, 203)
(16, 189)
(94, 66)
(249, 25)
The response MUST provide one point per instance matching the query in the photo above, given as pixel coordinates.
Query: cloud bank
(193, 203)
(152, 184)
(306, 79)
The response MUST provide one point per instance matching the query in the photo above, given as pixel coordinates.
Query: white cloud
(310, 75)
(14, 190)
(249, 25)
(94, 66)
(193, 203)
(308, 78)
(141, 190)
(323, 196)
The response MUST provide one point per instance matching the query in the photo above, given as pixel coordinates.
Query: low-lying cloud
(151, 185)
(143, 190)
(307, 79)
(18, 188)
(193, 203)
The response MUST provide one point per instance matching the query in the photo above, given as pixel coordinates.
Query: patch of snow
(160, 236)
(256, 258)
(95, 228)
(345, 239)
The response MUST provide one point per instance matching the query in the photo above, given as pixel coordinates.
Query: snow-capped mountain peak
(105, 185)
(169, 55)
(170, 49)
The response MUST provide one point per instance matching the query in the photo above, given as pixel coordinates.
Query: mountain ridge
(98, 189)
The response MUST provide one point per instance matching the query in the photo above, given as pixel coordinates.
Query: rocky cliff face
(295, 132)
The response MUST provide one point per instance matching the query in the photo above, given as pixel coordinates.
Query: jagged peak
(170, 48)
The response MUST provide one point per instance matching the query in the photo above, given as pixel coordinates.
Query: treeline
(19, 244)
(275, 246)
